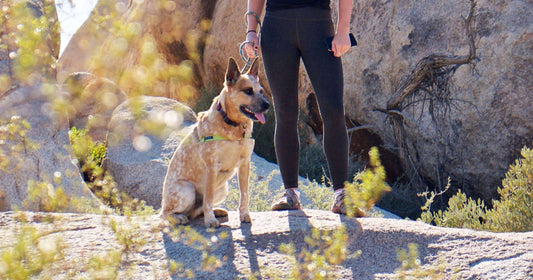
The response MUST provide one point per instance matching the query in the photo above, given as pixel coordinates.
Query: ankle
(295, 190)
(338, 192)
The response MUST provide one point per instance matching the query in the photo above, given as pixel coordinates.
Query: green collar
(214, 137)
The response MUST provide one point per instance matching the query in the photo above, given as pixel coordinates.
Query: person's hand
(340, 44)
(252, 46)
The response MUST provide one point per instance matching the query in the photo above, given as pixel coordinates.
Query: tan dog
(218, 147)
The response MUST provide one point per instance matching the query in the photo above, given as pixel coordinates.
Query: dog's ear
(254, 69)
(232, 73)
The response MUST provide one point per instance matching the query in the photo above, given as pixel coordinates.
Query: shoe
(289, 201)
(338, 205)
(340, 208)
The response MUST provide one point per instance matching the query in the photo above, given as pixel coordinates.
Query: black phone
(353, 42)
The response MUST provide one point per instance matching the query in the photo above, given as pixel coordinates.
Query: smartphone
(353, 42)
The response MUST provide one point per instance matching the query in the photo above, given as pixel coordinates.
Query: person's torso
(273, 5)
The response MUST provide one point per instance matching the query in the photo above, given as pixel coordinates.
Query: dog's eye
(248, 91)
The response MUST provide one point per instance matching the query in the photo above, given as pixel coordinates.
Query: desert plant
(324, 249)
(259, 192)
(512, 212)
(90, 156)
(320, 197)
(29, 40)
(367, 187)
(47, 197)
(32, 254)
(13, 141)
(411, 265)
(462, 212)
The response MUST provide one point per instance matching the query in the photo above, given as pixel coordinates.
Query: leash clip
(247, 60)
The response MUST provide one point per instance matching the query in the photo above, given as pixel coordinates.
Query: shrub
(411, 265)
(324, 250)
(13, 141)
(258, 190)
(367, 188)
(462, 212)
(33, 253)
(512, 212)
(90, 156)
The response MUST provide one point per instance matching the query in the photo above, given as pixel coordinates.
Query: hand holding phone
(353, 42)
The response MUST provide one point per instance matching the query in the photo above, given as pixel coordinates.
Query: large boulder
(91, 101)
(34, 143)
(455, 79)
(143, 134)
(153, 47)
(84, 45)
(36, 155)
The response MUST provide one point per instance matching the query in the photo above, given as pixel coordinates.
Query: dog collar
(225, 116)
(214, 138)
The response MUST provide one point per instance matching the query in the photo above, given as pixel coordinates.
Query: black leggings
(288, 35)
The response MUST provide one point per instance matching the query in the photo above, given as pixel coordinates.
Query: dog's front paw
(211, 223)
(178, 219)
(245, 217)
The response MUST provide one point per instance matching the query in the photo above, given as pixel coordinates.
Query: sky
(72, 14)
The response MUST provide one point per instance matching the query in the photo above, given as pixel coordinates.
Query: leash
(247, 60)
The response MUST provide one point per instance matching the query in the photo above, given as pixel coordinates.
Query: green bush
(512, 212)
(411, 266)
(33, 253)
(325, 249)
(259, 193)
(90, 156)
(13, 142)
(367, 188)
(462, 212)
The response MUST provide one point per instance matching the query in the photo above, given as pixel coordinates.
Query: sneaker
(338, 205)
(289, 201)
(340, 208)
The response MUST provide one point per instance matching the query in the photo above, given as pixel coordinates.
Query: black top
(273, 5)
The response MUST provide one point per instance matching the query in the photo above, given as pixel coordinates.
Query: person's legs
(285, 37)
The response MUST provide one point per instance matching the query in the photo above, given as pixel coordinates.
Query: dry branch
(425, 69)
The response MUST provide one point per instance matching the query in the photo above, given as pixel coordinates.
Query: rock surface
(92, 100)
(40, 153)
(44, 156)
(467, 122)
(155, 50)
(138, 152)
(254, 248)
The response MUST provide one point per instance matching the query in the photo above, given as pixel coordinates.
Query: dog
(218, 147)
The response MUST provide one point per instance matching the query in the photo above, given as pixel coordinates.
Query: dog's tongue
(260, 117)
